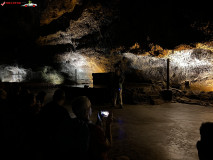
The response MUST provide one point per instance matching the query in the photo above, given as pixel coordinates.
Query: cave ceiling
(33, 36)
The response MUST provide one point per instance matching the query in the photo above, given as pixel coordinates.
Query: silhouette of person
(50, 119)
(118, 86)
(205, 144)
(100, 140)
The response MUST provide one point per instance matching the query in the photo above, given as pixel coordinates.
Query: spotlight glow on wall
(185, 58)
(191, 64)
(12, 74)
(84, 66)
(51, 76)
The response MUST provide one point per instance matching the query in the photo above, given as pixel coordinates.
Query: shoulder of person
(48, 105)
(78, 122)
(96, 130)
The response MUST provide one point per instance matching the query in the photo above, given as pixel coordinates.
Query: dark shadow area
(205, 144)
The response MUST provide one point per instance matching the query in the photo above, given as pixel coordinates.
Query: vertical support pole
(168, 74)
(76, 75)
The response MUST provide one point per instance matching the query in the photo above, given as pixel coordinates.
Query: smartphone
(105, 113)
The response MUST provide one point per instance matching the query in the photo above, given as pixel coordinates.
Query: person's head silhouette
(205, 145)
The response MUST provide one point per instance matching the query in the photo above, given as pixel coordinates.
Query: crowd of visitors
(36, 130)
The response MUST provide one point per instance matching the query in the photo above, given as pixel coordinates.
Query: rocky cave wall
(91, 36)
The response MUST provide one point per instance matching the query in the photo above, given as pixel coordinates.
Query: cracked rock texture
(93, 35)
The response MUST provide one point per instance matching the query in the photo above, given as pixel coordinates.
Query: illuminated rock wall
(192, 65)
(79, 66)
(55, 9)
(85, 33)
(79, 37)
(12, 74)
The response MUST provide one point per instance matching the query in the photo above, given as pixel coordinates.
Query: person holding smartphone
(100, 138)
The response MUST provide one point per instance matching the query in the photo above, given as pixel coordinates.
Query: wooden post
(168, 74)
(167, 94)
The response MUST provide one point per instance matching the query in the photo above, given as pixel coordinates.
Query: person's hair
(205, 144)
(25, 92)
(59, 94)
(206, 132)
(81, 106)
(3, 94)
(29, 99)
(40, 96)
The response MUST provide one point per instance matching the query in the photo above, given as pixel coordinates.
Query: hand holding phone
(99, 118)
(109, 118)
(104, 116)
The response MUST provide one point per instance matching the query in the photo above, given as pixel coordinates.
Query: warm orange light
(56, 9)
(135, 46)
(206, 86)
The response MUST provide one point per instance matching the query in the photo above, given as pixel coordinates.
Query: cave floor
(158, 132)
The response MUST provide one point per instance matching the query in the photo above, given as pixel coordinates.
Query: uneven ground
(160, 132)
